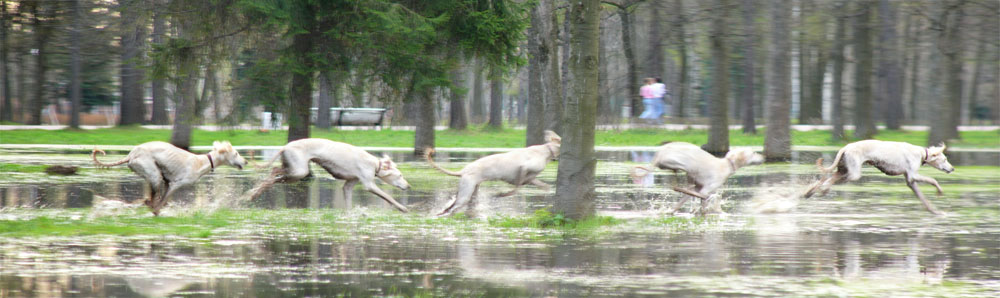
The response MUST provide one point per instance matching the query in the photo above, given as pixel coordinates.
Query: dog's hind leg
(467, 188)
(349, 191)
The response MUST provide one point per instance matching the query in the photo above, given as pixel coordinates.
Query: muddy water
(863, 239)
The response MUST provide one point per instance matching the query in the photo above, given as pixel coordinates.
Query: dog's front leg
(541, 184)
(371, 187)
(928, 180)
(927, 204)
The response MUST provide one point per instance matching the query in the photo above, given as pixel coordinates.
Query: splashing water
(775, 199)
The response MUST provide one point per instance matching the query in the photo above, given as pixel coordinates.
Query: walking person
(660, 92)
(651, 111)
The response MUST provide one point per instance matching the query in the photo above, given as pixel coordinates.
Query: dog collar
(927, 154)
(210, 162)
(553, 153)
(378, 168)
(732, 165)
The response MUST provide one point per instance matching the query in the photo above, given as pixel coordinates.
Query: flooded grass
(865, 239)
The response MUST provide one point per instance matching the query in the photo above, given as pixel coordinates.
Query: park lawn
(472, 138)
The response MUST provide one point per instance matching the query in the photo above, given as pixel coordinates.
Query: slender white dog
(704, 170)
(343, 161)
(168, 168)
(892, 158)
(517, 167)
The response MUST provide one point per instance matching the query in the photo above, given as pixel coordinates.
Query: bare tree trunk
(74, 85)
(915, 77)
(324, 102)
(301, 89)
(159, 116)
(7, 110)
(496, 100)
(42, 36)
(837, 101)
(815, 114)
(718, 132)
(864, 123)
(575, 180)
(133, 110)
(424, 133)
(457, 117)
(945, 125)
(551, 76)
(186, 93)
(633, 72)
(537, 56)
(777, 142)
(890, 76)
(807, 108)
(747, 86)
(679, 21)
(972, 102)
(478, 94)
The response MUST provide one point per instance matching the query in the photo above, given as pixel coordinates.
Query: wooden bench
(353, 116)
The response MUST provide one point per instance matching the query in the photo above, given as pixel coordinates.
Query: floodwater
(871, 238)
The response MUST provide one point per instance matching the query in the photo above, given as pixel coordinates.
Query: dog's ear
(936, 150)
(551, 136)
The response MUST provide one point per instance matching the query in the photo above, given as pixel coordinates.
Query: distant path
(442, 127)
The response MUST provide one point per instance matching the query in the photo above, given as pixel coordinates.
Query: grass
(542, 218)
(21, 168)
(479, 137)
(199, 225)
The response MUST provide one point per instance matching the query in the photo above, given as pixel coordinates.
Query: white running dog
(517, 167)
(168, 168)
(343, 161)
(892, 158)
(704, 170)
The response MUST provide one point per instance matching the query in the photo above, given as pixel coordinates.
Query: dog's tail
(427, 155)
(271, 161)
(836, 160)
(98, 163)
(639, 172)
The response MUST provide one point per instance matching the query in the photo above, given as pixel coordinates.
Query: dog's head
(227, 155)
(935, 158)
(389, 173)
(744, 157)
(553, 141)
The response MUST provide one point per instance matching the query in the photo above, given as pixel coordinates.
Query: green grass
(199, 225)
(474, 137)
(21, 168)
(542, 218)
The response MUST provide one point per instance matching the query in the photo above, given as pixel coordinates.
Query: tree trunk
(944, 126)
(133, 110)
(496, 100)
(814, 115)
(915, 77)
(537, 55)
(890, 76)
(42, 35)
(632, 65)
(424, 134)
(718, 132)
(186, 93)
(864, 123)
(324, 102)
(551, 76)
(74, 85)
(478, 94)
(301, 89)
(458, 119)
(747, 86)
(159, 116)
(7, 108)
(972, 103)
(837, 102)
(777, 142)
(679, 21)
(807, 109)
(575, 180)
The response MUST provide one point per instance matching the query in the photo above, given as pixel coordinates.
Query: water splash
(782, 198)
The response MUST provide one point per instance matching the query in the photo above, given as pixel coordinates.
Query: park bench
(353, 116)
